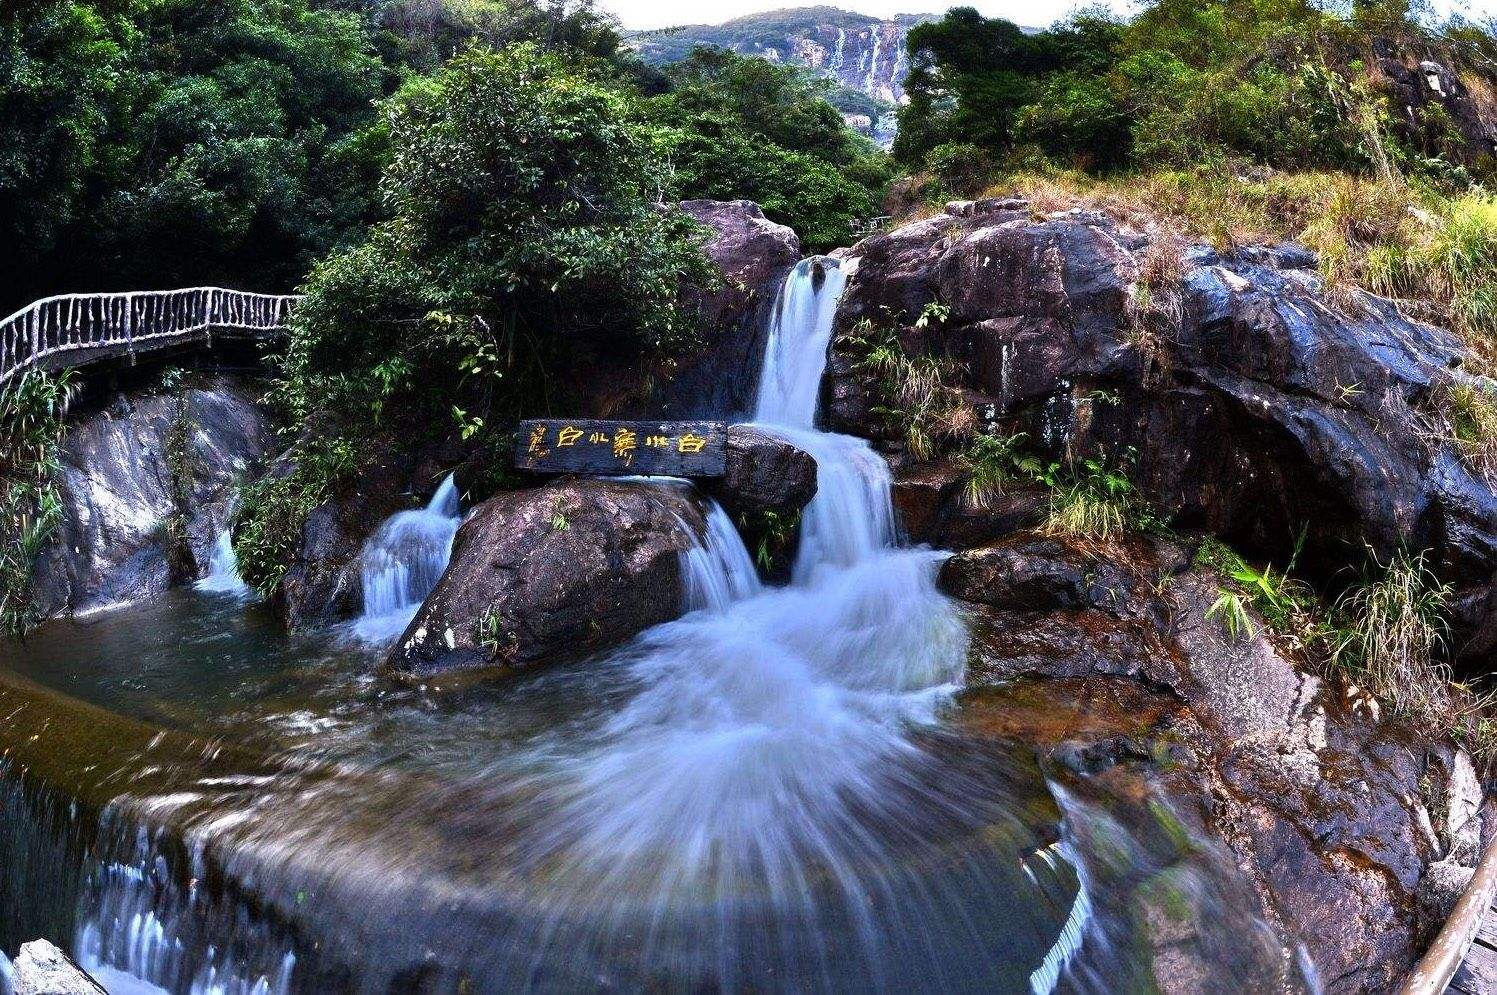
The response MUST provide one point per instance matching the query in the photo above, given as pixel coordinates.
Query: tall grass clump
(915, 396)
(1392, 629)
(1449, 258)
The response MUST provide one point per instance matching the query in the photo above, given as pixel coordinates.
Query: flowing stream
(403, 561)
(764, 794)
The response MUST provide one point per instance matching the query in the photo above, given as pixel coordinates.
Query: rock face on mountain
(861, 53)
(147, 485)
(1243, 399)
(1418, 83)
(1337, 818)
(556, 572)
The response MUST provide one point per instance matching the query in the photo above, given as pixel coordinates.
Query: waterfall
(7, 975)
(717, 570)
(878, 40)
(223, 569)
(403, 561)
(801, 331)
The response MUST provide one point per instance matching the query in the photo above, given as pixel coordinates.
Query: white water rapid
(403, 561)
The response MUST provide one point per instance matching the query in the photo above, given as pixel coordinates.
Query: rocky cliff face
(1431, 94)
(146, 488)
(861, 53)
(1249, 403)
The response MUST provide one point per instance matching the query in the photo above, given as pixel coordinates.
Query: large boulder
(1248, 401)
(765, 475)
(1337, 816)
(138, 512)
(556, 572)
(752, 254)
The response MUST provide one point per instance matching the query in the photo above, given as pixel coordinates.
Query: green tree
(525, 222)
(744, 127)
(167, 142)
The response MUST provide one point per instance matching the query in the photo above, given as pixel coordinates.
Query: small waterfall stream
(223, 569)
(403, 561)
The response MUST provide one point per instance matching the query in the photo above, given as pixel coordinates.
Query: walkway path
(77, 329)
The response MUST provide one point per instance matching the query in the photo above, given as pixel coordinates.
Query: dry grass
(1464, 416)
(1436, 255)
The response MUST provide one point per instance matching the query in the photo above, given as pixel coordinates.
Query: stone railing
(73, 328)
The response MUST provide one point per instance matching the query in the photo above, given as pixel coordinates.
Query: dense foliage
(156, 143)
(1286, 83)
(167, 143)
(523, 192)
(31, 418)
(744, 127)
(526, 229)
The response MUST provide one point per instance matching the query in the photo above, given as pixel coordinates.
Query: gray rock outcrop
(1248, 402)
(132, 523)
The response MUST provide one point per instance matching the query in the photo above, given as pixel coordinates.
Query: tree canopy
(1185, 83)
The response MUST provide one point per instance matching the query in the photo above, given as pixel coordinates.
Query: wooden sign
(672, 449)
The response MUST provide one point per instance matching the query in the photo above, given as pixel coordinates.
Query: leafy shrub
(735, 126)
(1290, 606)
(267, 525)
(961, 167)
(32, 409)
(522, 191)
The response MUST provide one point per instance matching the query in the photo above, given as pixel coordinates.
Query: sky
(1037, 13)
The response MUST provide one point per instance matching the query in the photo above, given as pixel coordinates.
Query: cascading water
(718, 570)
(403, 561)
(223, 569)
(761, 794)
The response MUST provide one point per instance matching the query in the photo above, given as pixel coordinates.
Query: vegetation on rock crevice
(32, 409)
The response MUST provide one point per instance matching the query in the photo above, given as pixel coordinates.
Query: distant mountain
(862, 53)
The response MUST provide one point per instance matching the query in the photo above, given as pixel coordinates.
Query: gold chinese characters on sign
(689, 449)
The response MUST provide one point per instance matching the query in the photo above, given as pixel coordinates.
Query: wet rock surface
(553, 573)
(43, 969)
(323, 582)
(765, 475)
(1353, 832)
(1248, 402)
(135, 517)
(752, 253)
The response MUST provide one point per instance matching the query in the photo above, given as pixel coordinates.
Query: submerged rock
(132, 522)
(557, 572)
(1337, 819)
(43, 969)
(1246, 400)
